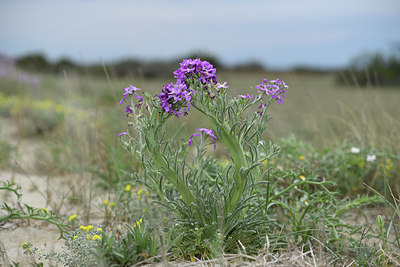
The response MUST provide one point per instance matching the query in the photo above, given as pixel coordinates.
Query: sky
(278, 34)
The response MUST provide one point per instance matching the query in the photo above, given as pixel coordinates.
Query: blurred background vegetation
(364, 70)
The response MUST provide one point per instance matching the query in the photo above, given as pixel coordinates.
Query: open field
(58, 140)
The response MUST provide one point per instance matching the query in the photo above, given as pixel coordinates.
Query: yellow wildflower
(180, 196)
(302, 177)
(99, 229)
(306, 202)
(147, 193)
(112, 204)
(75, 236)
(72, 217)
(86, 228)
(128, 187)
(45, 210)
(139, 223)
(87, 236)
(105, 202)
(301, 157)
(388, 165)
(25, 245)
(96, 237)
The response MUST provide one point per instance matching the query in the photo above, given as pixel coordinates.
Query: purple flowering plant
(195, 177)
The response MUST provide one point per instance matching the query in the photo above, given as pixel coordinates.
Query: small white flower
(355, 150)
(371, 158)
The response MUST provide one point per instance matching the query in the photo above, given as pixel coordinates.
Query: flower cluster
(202, 69)
(88, 232)
(175, 99)
(274, 89)
(131, 90)
(208, 132)
(86, 228)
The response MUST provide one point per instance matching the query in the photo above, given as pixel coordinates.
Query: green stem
(176, 180)
(286, 190)
(235, 149)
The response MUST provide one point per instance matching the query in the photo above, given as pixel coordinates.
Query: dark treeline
(371, 69)
(127, 67)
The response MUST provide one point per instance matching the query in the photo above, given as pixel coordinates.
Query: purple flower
(261, 105)
(128, 91)
(175, 99)
(140, 102)
(128, 110)
(123, 133)
(248, 96)
(208, 132)
(274, 88)
(195, 67)
(223, 85)
(190, 139)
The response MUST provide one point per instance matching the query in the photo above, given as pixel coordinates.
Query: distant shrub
(33, 62)
(372, 69)
(64, 64)
(252, 66)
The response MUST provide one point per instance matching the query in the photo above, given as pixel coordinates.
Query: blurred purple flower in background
(8, 70)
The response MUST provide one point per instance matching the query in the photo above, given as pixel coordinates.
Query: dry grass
(319, 111)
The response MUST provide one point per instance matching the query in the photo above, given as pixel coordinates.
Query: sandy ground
(37, 191)
(40, 191)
